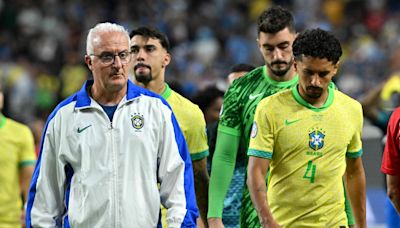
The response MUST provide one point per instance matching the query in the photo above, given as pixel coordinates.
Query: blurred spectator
(17, 160)
(72, 75)
(238, 71)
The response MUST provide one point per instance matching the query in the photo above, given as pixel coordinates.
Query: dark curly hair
(206, 97)
(150, 32)
(317, 43)
(274, 20)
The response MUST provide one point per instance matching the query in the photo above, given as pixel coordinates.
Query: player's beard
(144, 78)
(280, 72)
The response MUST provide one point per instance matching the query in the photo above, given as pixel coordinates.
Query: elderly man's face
(111, 76)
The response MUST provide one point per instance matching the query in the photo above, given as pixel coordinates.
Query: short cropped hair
(317, 43)
(93, 35)
(274, 20)
(150, 32)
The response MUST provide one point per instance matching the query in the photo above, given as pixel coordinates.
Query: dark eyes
(135, 50)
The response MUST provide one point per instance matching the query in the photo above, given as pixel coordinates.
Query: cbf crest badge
(137, 121)
(316, 138)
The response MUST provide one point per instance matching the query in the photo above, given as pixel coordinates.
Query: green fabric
(167, 92)
(199, 156)
(347, 208)
(303, 102)
(2, 120)
(222, 168)
(260, 154)
(354, 154)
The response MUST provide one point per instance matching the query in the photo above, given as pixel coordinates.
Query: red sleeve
(391, 154)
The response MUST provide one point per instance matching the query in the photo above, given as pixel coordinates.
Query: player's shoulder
(183, 103)
(17, 126)
(347, 101)
(277, 97)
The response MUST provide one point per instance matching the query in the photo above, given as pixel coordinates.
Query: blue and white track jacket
(92, 172)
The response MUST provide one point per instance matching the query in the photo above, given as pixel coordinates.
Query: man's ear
(166, 60)
(336, 68)
(88, 61)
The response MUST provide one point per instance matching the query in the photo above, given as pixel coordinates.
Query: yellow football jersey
(307, 147)
(193, 125)
(191, 121)
(16, 150)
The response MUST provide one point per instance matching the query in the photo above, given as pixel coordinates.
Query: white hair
(93, 35)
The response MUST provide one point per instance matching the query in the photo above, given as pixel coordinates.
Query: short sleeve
(354, 149)
(196, 136)
(27, 154)
(262, 133)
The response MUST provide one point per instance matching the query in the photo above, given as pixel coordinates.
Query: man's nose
(117, 61)
(141, 54)
(315, 81)
(277, 54)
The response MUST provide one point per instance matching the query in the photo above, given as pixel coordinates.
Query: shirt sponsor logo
(289, 122)
(80, 130)
(254, 96)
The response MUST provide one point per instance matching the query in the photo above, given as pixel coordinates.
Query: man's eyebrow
(271, 45)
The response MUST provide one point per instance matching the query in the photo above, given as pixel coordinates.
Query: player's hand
(22, 219)
(215, 223)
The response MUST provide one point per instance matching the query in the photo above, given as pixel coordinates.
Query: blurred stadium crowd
(42, 42)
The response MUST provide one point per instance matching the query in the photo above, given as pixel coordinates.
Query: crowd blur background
(42, 42)
(42, 45)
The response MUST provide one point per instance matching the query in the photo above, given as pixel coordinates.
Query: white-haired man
(106, 147)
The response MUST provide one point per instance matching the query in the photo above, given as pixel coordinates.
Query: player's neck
(105, 97)
(156, 86)
(316, 102)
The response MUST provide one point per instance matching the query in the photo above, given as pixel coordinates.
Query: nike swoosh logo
(254, 96)
(289, 122)
(82, 129)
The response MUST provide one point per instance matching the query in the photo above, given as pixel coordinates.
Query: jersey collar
(83, 99)
(303, 102)
(293, 81)
(2, 120)
(167, 92)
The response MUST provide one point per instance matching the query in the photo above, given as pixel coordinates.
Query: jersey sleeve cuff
(26, 163)
(354, 154)
(259, 153)
(200, 155)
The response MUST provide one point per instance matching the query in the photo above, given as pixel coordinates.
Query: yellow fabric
(16, 150)
(191, 121)
(390, 87)
(307, 147)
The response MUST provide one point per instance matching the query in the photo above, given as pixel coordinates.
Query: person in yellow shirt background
(17, 160)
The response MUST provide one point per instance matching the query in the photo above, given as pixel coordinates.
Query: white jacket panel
(96, 173)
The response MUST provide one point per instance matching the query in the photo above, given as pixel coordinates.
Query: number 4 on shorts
(310, 172)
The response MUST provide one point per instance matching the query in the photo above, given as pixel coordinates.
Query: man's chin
(280, 73)
(145, 79)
